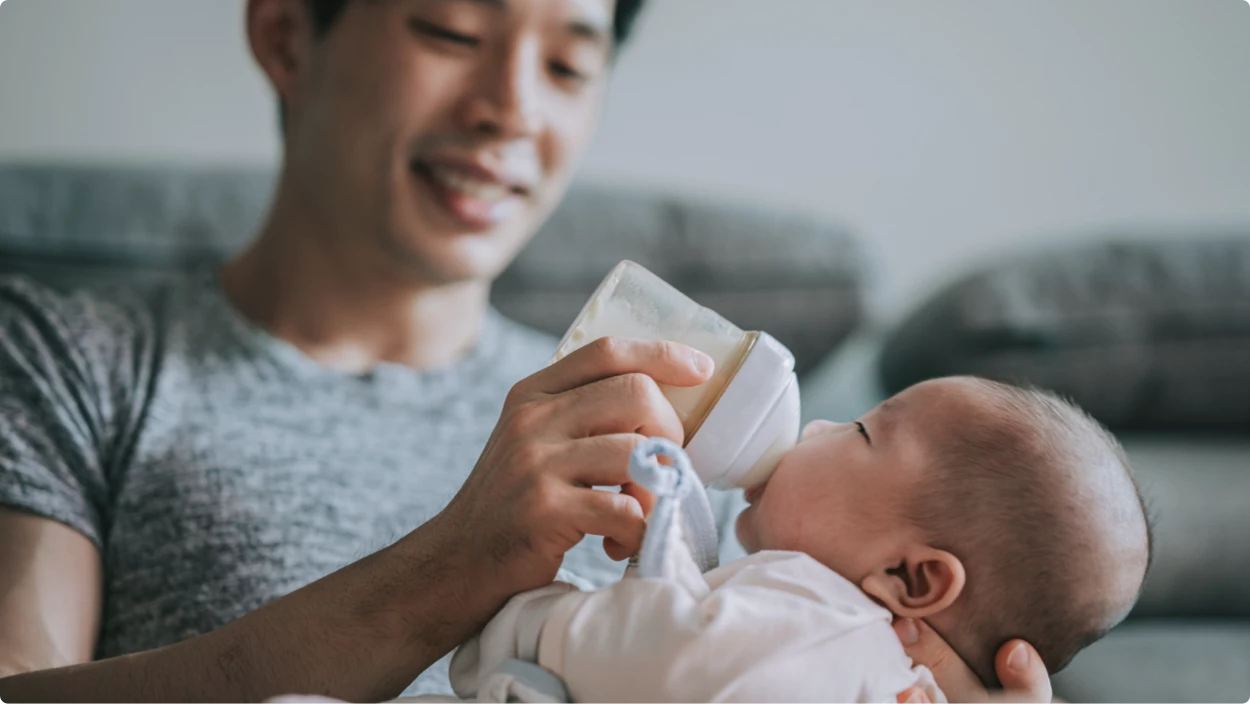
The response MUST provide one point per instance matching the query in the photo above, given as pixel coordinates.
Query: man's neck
(346, 312)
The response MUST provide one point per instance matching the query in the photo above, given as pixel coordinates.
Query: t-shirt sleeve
(55, 406)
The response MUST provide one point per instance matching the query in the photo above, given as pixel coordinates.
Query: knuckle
(639, 387)
(611, 349)
(517, 396)
(531, 456)
(544, 499)
(671, 354)
(527, 416)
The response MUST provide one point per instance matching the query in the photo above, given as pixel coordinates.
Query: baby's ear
(925, 582)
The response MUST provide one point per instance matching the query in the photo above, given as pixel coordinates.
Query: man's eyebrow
(586, 29)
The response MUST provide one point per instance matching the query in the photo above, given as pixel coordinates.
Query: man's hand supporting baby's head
(990, 511)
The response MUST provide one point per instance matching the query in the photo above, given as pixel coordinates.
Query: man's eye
(566, 72)
(443, 34)
(863, 431)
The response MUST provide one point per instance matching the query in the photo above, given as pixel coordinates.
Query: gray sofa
(803, 280)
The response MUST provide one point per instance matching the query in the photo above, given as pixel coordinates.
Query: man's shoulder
(109, 331)
(87, 317)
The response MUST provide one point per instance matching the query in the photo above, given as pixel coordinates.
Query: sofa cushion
(800, 279)
(1143, 334)
(1162, 661)
(74, 226)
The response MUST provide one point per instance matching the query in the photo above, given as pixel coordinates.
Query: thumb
(1021, 671)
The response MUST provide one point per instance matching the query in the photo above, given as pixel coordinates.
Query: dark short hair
(998, 498)
(325, 12)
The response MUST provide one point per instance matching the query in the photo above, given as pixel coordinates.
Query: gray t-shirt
(217, 467)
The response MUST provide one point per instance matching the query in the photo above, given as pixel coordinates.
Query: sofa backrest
(798, 278)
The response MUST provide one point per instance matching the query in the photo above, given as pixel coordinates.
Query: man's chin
(453, 260)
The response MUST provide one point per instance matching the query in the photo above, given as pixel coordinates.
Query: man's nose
(817, 427)
(507, 100)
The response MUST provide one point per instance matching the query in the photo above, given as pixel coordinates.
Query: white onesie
(774, 626)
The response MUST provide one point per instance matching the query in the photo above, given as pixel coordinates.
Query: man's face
(842, 493)
(441, 133)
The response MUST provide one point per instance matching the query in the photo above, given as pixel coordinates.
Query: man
(258, 482)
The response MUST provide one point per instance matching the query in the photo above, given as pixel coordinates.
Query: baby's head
(990, 511)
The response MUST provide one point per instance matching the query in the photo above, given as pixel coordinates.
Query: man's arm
(362, 633)
(49, 594)
(365, 632)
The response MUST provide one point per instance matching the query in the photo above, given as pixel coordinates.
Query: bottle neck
(715, 387)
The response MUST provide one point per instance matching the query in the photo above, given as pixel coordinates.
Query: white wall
(943, 130)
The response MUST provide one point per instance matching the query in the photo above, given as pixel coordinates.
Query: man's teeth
(469, 185)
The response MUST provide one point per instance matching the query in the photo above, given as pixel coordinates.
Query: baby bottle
(737, 423)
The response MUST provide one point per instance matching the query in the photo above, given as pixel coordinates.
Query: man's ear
(279, 33)
(923, 582)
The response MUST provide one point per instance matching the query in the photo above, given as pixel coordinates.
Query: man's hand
(564, 430)
(1018, 665)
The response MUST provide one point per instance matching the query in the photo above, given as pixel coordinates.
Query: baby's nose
(817, 427)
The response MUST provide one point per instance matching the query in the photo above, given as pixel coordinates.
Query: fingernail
(917, 696)
(908, 632)
(702, 363)
(1018, 658)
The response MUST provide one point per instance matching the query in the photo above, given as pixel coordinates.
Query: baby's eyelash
(863, 431)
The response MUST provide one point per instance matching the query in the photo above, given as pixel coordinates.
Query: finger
(1021, 671)
(630, 403)
(646, 502)
(667, 362)
(925, 647)
(645, 498)
(913, 695)
(601, 460)
(617, 517)
(614, 550)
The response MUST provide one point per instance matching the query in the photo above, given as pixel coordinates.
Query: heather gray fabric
(216, 466)
(1143, 334)
(799, 278)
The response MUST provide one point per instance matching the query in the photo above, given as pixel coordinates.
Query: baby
(991, 512)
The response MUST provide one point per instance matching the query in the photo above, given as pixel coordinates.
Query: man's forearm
(361, 634)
